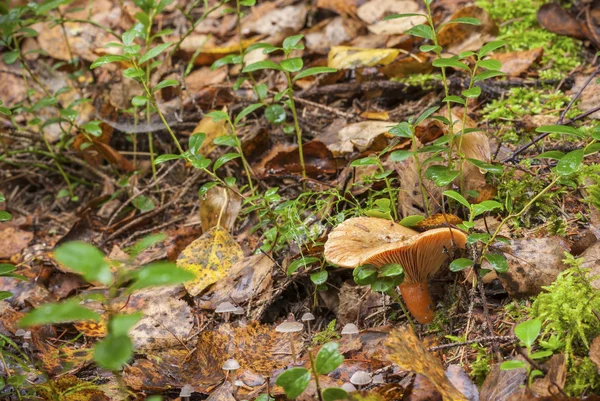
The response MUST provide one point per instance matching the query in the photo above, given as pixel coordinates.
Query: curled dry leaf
(561, 22)
(408, 352)
(358, 137)
(532, 264)
(249, 278)
(372, 13)
(219, 206)
(210, 257)
(344, 57)
(516, 63)
(554, 381)
(457, 38)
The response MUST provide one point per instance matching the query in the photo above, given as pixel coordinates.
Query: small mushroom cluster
(373, 241)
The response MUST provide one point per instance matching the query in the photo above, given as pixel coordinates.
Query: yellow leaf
(343, 57)
(209, 257)
(212, 129)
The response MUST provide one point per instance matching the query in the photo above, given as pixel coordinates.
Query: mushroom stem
(418, 301)
(293, 348)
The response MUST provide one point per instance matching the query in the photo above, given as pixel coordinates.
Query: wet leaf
(294, 381)
(328, 358)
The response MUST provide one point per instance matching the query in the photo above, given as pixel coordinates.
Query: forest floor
(330, 199)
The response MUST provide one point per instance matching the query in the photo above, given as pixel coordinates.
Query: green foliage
(480, 367)
(326, 335)
(567, 306)
(582, 377)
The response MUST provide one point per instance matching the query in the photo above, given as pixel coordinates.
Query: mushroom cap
(307, 317)
(239, 311)
(360, 378)
(186, 391)
(289, 327)
(225, 307)
(350, 328)
(231, 364)
(370, 240)
(348, 387)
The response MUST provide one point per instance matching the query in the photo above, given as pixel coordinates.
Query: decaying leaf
(591, 260)
(249, 278)
(357, 137)
(590, 97)
(457, 38)
(516, 63)
(343, 57)
(561, 22)
(595, 352)
(372, 12)
(13, 240)
(219, 206)
(333, 32)
(503, 385)
(276, 19)
(554, 381)
(404, 66)
(210, 257)
(410, 197)
(317, 159)
(532, 264)
(408, 352)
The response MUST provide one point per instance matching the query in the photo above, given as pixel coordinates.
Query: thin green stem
(392, 293)
(292, 105)
(389, 190)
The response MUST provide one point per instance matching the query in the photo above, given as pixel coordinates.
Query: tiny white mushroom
(230, 366)
(307, 318)
(186, 392)
(350, 330)
(290, 328)
(226, 308)
(360, 378)
(239, 311)
(348, 387)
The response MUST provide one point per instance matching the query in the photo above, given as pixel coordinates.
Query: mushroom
(308, 317)
(290, 328)
(373, 241)
(226, 308)
(350, 329)
(186, 392)
(230, 366)
(360, 378)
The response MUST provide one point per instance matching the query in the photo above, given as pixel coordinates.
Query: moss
(582, 378)
(480, 367)
(425, 81)
(521, 31)
(566, 308)
(326, 335)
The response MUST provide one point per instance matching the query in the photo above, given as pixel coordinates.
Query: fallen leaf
(13, 240)
(412, 64)
(590, 96)
(437, 221)
(219, 206)
(210, 257)
(372, 13)
(344, 57)
(332, 32)
(554, 381)
(342, 7)
(317, 160)
(83, 40)
(457, 38)
(277, 20)
(532, 264)
(556, 19)
(421, 389)
(463, 383)
(501, 385)
(203, 77)
(516, 63)
(213, 129)
(358, 137)
(591, 260)
(408, 352)
(410, 197)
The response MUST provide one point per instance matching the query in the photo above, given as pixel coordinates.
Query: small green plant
(329, 334)
(527, 332)
(4, 215)
(295, 380)
(116, 348)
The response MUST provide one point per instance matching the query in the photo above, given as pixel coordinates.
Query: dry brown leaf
(317, 159)
(591, 260)
(532, 264)
(516, 63)
(410, 197)
(12, 87)
(333, 32)
(408, 352)
(457, 38)
(277, 20)
(373, 12)
(405, 66)
(210, 257)
(595, 352)
(84, 39)
(204, 77)
(342, 7)
(590, 97)
(561, 22)
(219, 206)
(344, 57)
(358, 137)
(554, 381)
(213, 129)
(13, 240)
(501, 385)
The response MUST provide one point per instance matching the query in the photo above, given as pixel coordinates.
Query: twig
(486, 339)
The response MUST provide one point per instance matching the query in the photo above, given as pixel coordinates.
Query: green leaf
(166, 158)
(400, 155)
(334, 393)
(382, 284)
(293, 64)
(486, 206)
(291, 43)
(262, 65)
(328, 358)
(365, 275)
(111, 58)
(498, 262)
(490, 64)
(128, 37)
(301, 262)
(450, 62)
(113, 352)
(84, 259)
(396, 16)
(319, 277)
(460, 264)
(392, 270)
(465, 20)
(160, 274)
(145, 243)
(120, 324)
(165, 84)
(154, 52)
(204, 188)
(511, 365)
(227, 157)
(402, 130)
(261, 91)
(457, 197)
(528, 331)
(490, 168)
(268, 48)
(247, 110)
(475, 237)
(5, 216)
(218, 115)
(454, 99)
(441, 175)
(229, 59)
(195, 142)
(143, 203)
(6, 268)
(472, 93)
(487, 74)
(226, 140)
(365, 161)
(430, 48)
(10, 57)
(139, 101)
(93, 128)
(275, 114)
(293, 381)
(540, 354)
(490, 47)
(410, 221)
(424, 115)
(62, 312)
(313, 71)
(560, 129)
(5, 295)
(421, 31)
(570, 162)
